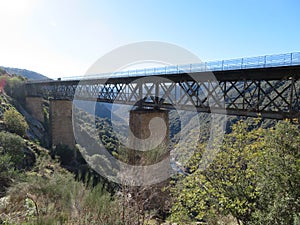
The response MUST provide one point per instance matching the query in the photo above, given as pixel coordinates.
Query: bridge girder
(268, 92)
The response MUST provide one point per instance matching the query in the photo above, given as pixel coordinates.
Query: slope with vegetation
(255, 178)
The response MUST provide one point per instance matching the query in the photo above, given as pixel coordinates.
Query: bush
(6, 172)
(15, 122)
(11, 157)
(58, 199)
(13, 146)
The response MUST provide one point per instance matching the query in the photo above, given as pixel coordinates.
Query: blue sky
(65, 37)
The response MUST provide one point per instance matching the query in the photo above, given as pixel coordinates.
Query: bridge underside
(266, 92)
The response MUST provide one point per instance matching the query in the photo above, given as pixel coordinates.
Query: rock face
(36, 129)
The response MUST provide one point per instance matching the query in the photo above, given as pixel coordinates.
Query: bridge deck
(267, 85)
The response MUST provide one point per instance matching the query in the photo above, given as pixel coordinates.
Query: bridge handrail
(287, 59)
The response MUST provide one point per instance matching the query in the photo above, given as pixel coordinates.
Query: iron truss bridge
(266, 86)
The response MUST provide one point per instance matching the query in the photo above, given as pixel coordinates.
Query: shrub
(58, 199)
(11, 156)
(6, 172)
(12, 145)
(15, 122)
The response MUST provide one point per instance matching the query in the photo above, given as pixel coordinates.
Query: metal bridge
(268, 86)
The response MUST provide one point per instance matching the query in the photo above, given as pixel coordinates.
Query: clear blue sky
(64, 37)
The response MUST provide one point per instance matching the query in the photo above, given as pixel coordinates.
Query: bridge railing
(288, 59)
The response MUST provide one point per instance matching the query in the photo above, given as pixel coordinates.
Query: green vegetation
(15, 122)
(255, 178)
(56, 198)
(12, 145)
(15, 87)
(107, 136)
(279, 177)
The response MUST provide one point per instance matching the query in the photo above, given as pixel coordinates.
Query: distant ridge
(30, 75)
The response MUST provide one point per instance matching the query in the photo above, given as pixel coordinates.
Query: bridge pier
(61, 126)
(34, 106)
(149, 131)
(148, 127)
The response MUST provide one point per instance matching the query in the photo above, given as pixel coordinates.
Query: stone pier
(34, 105)
(150, 127)
(61, 127)
(149, 131)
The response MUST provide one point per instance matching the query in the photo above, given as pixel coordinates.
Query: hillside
(30, 75)
(34, 187)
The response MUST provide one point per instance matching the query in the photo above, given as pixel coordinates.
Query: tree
(13, 146)
(279, 177)
(15, 122)
(254, 178)
(228, 186)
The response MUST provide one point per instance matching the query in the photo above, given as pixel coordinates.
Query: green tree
(227, 187)
(279, 182)
(13, 146)
(254, 178)
(15, 122)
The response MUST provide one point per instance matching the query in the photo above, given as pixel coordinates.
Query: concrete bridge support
(61, 127)
(34, 106)
(150, 125)
(149, 132)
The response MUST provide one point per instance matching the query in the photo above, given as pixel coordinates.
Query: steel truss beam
(245, 92)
